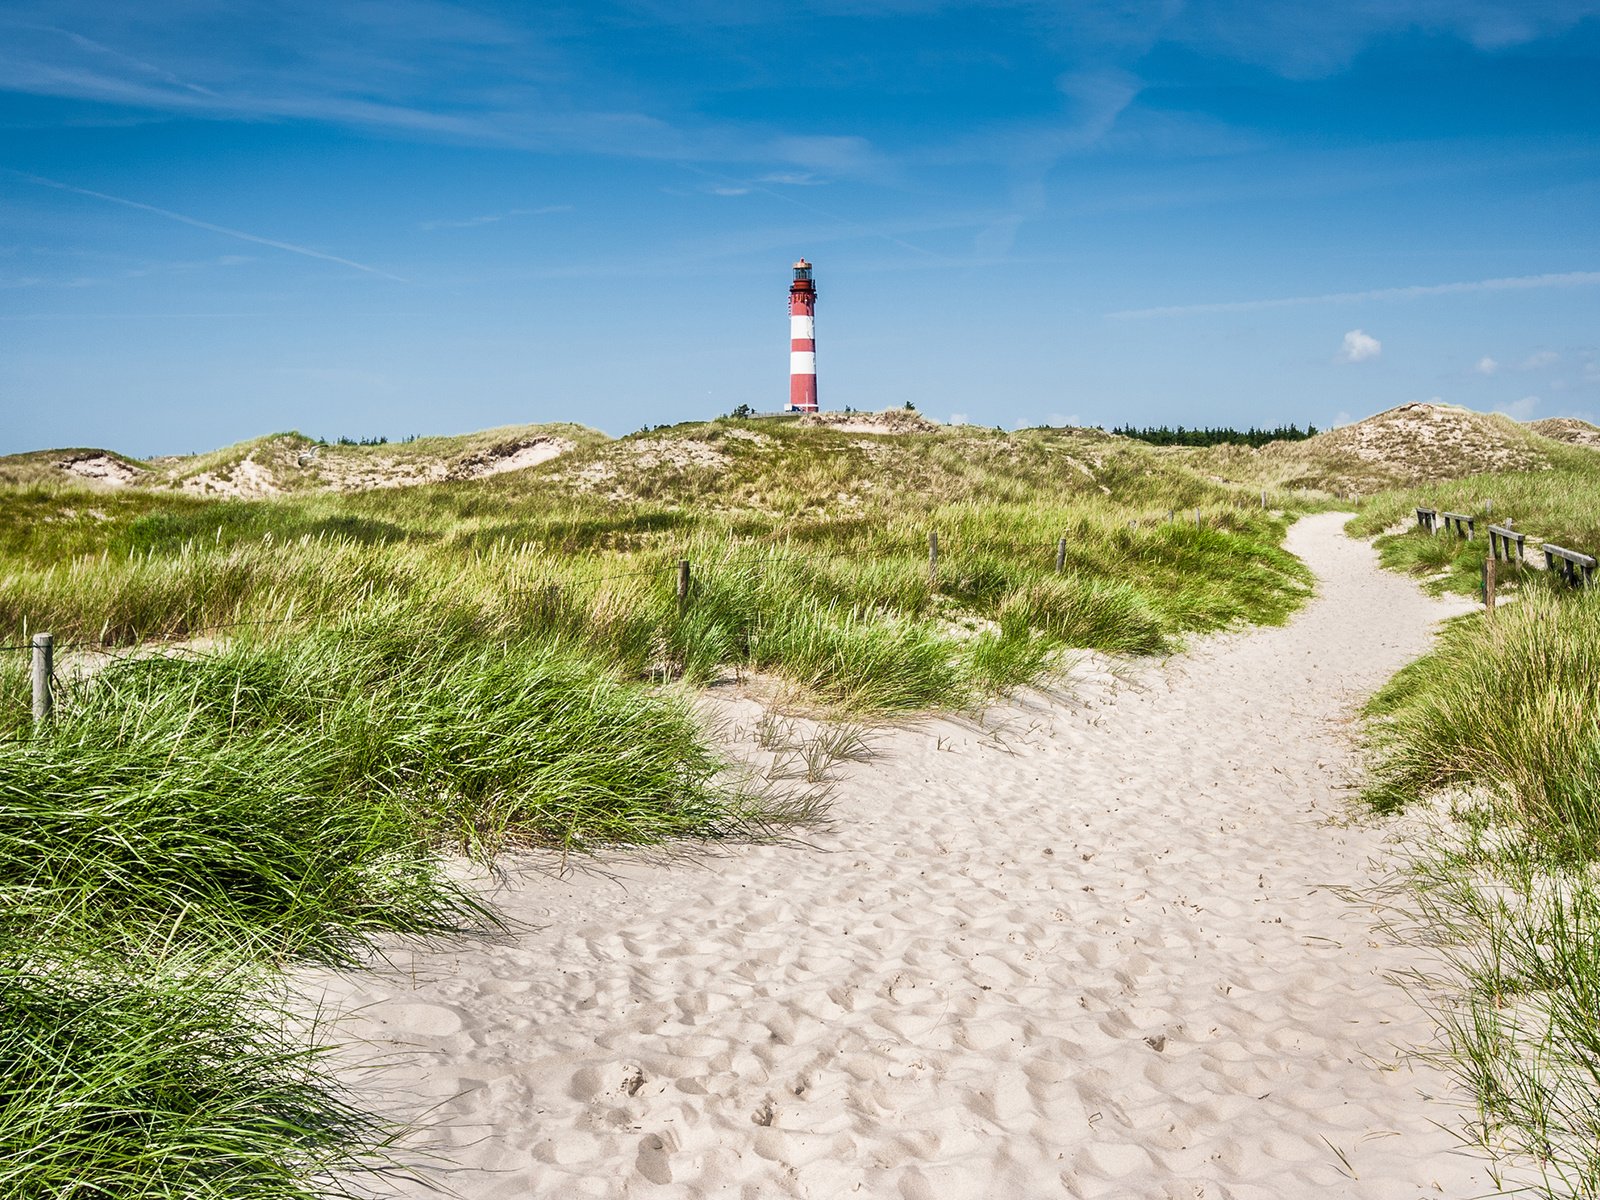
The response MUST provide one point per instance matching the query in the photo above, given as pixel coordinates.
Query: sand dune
(1086, 949)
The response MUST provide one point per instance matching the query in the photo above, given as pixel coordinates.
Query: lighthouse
(802, 340)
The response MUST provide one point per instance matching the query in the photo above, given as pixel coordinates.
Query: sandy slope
(1084, 951)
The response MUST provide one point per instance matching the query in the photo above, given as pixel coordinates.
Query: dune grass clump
(299, 789)
(1512, 706)
(1504, 717)
(161, 1080)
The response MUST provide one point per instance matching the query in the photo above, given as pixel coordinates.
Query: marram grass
(168, 1078)
(1510, 705)
(1505, 718)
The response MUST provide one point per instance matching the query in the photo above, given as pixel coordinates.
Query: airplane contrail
(240, 234)
(1507, 284)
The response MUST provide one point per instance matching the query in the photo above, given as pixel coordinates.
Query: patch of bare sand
(624, 460)
(102, 468)
(369, 471)
(892, 420)
(509, 456)
(1086, 949)
(247, 479)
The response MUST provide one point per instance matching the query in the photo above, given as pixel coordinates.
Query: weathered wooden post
(933, 561)
(1197, 518)
(43, 674)
(1263, 498)
(683, 585)
(1061, 555)
(1488, 586)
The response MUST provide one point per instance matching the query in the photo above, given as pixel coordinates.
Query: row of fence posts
(43, 644)
(1576, 568)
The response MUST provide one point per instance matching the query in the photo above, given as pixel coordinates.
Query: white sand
(1084, 951)
(101, 468)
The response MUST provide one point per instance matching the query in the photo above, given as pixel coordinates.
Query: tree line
(1164, 435)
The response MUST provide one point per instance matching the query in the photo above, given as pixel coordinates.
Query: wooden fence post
(1488, 586)
(43, 673)
(1061, 555)
(683, 585)
(1197, 518)
(1263, 498)
(933, 561)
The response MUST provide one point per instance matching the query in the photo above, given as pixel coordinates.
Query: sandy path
(1086, 953)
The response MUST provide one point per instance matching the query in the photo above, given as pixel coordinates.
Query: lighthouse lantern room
(802, 340)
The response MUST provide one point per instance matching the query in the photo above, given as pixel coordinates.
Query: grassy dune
(809, 549)
(1404, 446)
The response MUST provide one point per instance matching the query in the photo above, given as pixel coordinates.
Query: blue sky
(220, 219)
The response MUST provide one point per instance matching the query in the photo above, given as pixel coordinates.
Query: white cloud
(1519, 410)
(1358, 347)
(1342, 418)
(1544, 358)
(1487, 366)
(958, 419)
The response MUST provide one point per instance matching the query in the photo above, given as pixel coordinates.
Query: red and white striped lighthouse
(802, 340)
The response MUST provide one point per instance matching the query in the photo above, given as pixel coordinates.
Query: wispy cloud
(494, 218)
(793, 179)
(241, 235)
(718, 180)
(526, 82)
(128, 61)
(1508, 284)
(1486, 366)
